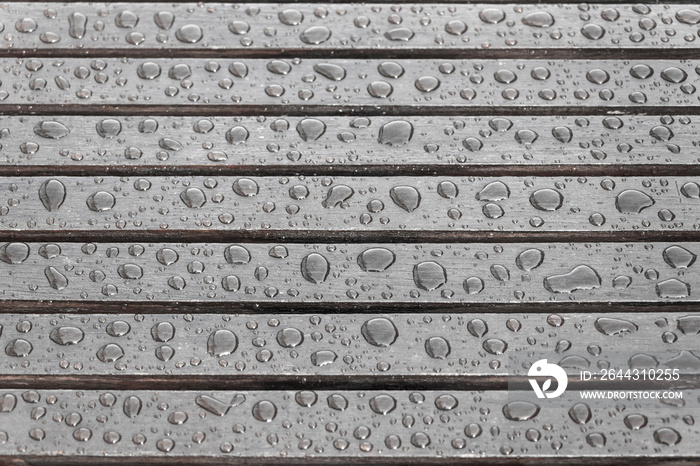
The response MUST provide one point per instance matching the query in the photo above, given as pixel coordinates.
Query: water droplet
(310, 129)
(495, 346)
(688, 16)
(7, 403)
(520, 410)
(110, 353)
(14, 253)
(539, 19)
(635, 421)
(52, 193)
(380, 89)
(429, 275)
(189, 34)
(315, 35)
(547, 199)
(291, 17)
(582, 277)
(245, 187)
(77, 23)
(221, 343)
(494, 191)
(315, 268)
(323, 358)
(674, 75)
(580, 413)
(132, 406)
(396, 133)
(492, 15)
(18, 348)
(290, 337)
(163, 332)
(390, 69)
(56, 279)
(382, 404)
(529, 259)
(66, 335)
(614, 326)
(473, 285)
(337, 402)
(678, 257)
(380, 332)
(672, 288)
(193, 197)
(667, 436)
(592, 31)
(51, 130)
(399, 34)
(330, 71)
(376, 259)
(237, 135)
(427, 83)
(631, 201)
(337, 195)
(164, 20)
(101, 201)
(406, 197)
(437, 347)
(456, 27)
(596, 439)
(167, 256)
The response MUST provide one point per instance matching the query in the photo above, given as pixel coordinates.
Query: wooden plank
(356, 275)
(346, 29)
(279, 145)
(306, 427)
(318, 205)
(422, 86)
(335, 350)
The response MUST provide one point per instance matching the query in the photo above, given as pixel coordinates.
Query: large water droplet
(547, 199)
(310, 129)
(315, 35)
(14, 253)
(539, 19)
(406, 197)
(678, 257)
(520, 410)
(429, 275)
(529, 259)
(315, 268)
(330, 71)
(672, 288)
(66, 335)
(396, 133)
(56, 279)
(100, 201)
(494, 191)
(51, 130)
(614, 326)
(437, 347)
(382, 404)
(110, 353)
(380, 332)
(376, 259)
(221, 343)
(245, 187)
(580, 413)
(337, 195)
(631, 201)
(582, 277)
(52, 193)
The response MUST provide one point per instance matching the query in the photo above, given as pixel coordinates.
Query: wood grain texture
(410, 85)
(346, 29)
(354, 426)
(313, 205)
(624, 144)
(335, 350)
(354, 275)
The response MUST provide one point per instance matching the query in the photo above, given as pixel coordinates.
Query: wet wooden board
(360, 426)
(208, 210)
(332, 85)
(449, 350)
(344, 29)
(315, 205)
(292, 276)
(376, 145)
